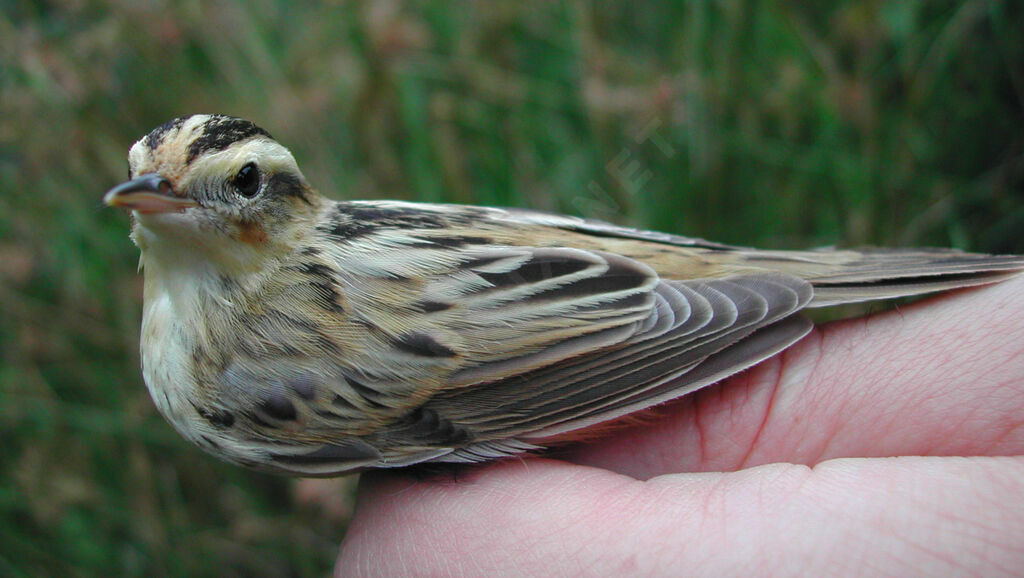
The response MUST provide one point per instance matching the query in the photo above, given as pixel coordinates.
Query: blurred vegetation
(760, 122)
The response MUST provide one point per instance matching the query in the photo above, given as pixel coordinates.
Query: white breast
(167, 362)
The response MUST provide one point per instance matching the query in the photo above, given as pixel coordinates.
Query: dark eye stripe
(287, 185)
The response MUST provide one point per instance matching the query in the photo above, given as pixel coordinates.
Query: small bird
(287, 332)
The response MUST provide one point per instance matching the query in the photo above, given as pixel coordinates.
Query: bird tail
(852, 276)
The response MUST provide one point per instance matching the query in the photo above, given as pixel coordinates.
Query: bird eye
(247, 181)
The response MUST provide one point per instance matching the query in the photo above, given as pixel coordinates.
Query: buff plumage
(287, 332)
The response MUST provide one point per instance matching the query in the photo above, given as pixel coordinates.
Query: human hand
(887, 445)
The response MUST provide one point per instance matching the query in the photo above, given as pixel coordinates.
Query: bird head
(215, 187)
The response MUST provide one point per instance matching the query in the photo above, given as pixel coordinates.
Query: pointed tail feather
(888, 273)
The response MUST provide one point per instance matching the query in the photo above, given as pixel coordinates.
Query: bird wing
(495, 348)
(698, 333)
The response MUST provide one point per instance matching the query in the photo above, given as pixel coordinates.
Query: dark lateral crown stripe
(220, 132)
(156, 136)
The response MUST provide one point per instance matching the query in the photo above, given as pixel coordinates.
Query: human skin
(886, 445)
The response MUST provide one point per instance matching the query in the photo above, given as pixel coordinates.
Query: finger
(931, 516)
(944, 377)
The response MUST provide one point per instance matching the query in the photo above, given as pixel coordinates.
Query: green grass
(894, 122)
